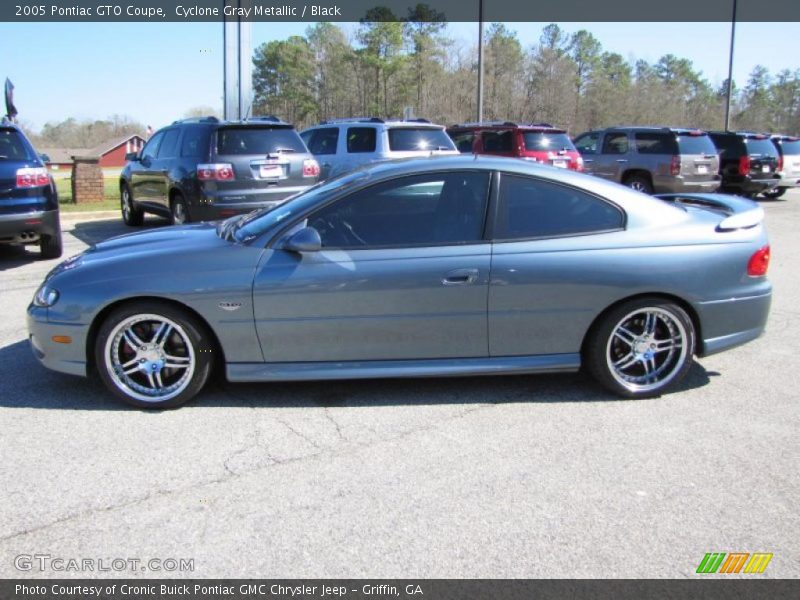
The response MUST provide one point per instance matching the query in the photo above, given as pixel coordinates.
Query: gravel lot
(544, 476)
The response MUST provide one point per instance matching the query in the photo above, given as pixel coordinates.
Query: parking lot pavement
(544, 476)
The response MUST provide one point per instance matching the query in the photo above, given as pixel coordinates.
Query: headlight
(45, 296)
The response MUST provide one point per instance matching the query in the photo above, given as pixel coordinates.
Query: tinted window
(587, 144)
(531, 208)
(696, 144)
(790, 147)
(615, 143)
(422, 210)
(545, 142)
(323, 141)
(763, 147)
(12, 146)
(169, 145)
(463, 141)
(150, 149)
(655, 143)
(360, 139)
(195, 142)
(258, 140)
(498, 141)
(424, 138)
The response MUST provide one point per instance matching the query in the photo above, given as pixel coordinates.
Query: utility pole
(237, 64)
(480, 60)
(730, 72)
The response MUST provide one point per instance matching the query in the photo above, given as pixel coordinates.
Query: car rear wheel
(153, 355)
(131, 215)
(641, 348)
(775, 193)
(51, 246)
(178, 210)
(640, 183)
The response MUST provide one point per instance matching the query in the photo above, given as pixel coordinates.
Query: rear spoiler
(741, 212)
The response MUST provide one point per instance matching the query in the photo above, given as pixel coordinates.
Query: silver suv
(652, 159)
(788, 165)
(341, 145)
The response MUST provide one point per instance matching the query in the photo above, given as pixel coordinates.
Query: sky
(155, 72)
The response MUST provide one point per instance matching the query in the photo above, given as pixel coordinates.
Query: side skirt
(374, 369)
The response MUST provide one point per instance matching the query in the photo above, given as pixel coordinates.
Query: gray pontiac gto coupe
(428, 267)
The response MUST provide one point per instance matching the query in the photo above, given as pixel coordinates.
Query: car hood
(163, 239)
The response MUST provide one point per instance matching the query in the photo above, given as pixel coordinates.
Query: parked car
(748, 162)
(788, 165)
(28, 197)
(540, 142)
(206, 169)
(341, 145)
(455, 265)
(652, 159)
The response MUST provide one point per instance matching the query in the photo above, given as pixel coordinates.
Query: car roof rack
(370, 120)
(270, 118)
(503, 124)
(208, 119)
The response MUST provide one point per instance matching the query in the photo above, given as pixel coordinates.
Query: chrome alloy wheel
(149, 357)
(646, 349)
(127, 209)
(178, 213)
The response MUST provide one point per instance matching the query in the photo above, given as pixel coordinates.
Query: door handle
(461, 277)
(622, 160)
(588, 160)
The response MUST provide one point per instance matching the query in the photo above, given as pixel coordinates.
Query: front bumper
(64, 358)
(28, 227)
(732, 322)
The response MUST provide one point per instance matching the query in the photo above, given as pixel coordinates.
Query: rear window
(407, 139)
(791, 148)
(544, 141)
(12, 146)
(696, 144)
(763, 147)
(258, 140)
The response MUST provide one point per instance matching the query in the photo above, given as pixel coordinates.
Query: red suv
(539, 142)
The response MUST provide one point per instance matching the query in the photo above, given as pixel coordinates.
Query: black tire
(131, 214)
(186, 345)
(775, 193)
(179, 212)
(51, 246)
(640, 183)
(638, 368)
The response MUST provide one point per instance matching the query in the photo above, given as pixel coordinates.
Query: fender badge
(230, 306)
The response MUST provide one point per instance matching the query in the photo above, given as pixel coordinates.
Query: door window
(361, 139)
(150, 149)
(497, 141)
(169, 144)
(587, 143)
(323, 141)
(615, 143)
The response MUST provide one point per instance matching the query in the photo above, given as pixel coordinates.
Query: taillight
(215, 172)
(780, 163)
(32, 177)
(744, 165)
(675, 166)
(578, 162)
(759, 263)
(310, 168)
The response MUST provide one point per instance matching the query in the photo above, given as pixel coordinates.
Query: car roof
(257, 121)
(665, 129)
(537, 127)
(378, 122)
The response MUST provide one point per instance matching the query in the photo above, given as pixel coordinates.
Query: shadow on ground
(92, 232)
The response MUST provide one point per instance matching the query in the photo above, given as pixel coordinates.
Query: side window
(195, 142)
(150, 149)
(323, 141)
(463, 141)
(655, 143)
(169, 145)
(497, 141)
(361, 139)
(587, 143)
(615, 143)
(532, 208)
(420, 210)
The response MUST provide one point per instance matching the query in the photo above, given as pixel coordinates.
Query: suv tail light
(780, 163)
(310, 168)
(744, 165)
(215, 172)
(32, 177)
(578, 162)
(675, 165)
(759, 263)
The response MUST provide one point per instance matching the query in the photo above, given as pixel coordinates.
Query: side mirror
(44, 158)
(132, 157)
(305, 240)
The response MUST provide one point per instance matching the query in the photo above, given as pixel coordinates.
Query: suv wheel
(775, 193)
(178, 210)
(51, 246)
(640, 183)
(131, 215)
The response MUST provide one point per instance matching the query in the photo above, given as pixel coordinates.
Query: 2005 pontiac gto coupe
(429, 267)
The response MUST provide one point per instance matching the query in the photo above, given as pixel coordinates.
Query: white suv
(788, 166)
(340, 145)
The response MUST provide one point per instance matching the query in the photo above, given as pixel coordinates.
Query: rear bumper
(746, 185)
(26, 228)
(729, 323)
(218, 205)
(789, 181)
(679, 185)
(64, 358)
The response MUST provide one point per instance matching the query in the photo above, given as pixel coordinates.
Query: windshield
(547, 141)
(258, 140)
(243, 228)
(696, 144)
(12, 147)
(405, 139)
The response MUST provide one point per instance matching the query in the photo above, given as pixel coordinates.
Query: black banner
(537, 11)
(391, 589)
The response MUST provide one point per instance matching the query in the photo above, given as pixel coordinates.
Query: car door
(166, 158)
(322, 143)
(553, 266)
(614, 156)
(402, 274)
(144, 183)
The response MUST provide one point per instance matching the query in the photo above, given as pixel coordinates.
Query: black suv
(207, 169)
(748, 162)
(28, 197)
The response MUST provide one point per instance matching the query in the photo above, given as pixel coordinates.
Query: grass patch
(111, 192)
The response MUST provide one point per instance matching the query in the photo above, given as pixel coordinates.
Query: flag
(11, 110)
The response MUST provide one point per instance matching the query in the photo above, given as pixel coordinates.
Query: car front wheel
(153, 354)
(641, 348)
(131, 215)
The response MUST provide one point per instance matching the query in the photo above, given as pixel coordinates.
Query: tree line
(565, 79)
